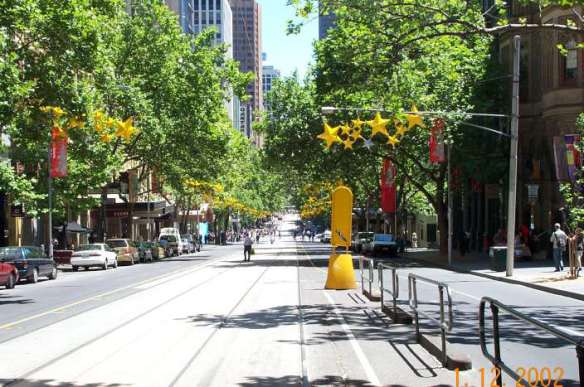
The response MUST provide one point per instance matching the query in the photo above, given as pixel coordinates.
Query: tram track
(23, 378)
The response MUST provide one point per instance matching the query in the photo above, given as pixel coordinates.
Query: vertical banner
(437, 154)
(572, 155)
(388, 187)
(58, 153)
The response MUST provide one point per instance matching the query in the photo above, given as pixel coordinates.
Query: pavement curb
(559, 292)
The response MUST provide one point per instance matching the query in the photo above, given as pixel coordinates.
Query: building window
(569, 64)
(218, 4)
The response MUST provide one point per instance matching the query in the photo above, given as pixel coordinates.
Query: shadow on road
(53, 383)
(12, 300)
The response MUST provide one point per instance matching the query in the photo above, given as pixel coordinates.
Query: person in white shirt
(559, 240)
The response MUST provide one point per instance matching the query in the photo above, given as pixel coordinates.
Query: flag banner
(437, 154)
(388, 187)
(58, 153)
(560, 160)
(572, 155)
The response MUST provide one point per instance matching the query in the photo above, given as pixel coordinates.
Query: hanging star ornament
(346, 130)
(415, 119)
(329, 135)
(368, 144)
(392, 140)
(400, 128)
(378, 125)
(126, 129)
(349, 143)
(358, 124)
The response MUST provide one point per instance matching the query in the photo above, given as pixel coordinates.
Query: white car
(94, 255)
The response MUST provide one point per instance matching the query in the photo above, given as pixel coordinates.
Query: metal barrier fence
(445, 326)
(497, 361)
(363, 262)
(394, 292)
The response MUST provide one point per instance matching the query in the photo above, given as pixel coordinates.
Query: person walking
(579, 249)
(414, 240)
(559, 240)
(247, 244)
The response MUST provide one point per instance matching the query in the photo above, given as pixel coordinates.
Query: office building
(269, 74)
(326, 21)
(247, 51)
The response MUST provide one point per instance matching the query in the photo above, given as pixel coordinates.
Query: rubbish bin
(498, 255)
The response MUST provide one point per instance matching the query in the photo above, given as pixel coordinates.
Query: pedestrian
(247, 244)
(559, 240)
(414, 240)
(579, 249)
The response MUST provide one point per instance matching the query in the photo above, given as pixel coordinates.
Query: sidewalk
(537, 273)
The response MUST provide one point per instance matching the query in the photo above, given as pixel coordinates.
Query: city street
(212, 320)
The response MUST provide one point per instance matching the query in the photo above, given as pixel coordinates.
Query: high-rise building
(269, 73)
(326, 21)
(247, 44)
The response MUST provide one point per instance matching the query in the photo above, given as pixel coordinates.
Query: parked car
(172, 244)
(144, 252)
(359, 239)
(381, 243)
(156, 250)
(30, 261)
(326, 236)
(126, 250)
(8, 274)
(195, 246)
(187, 246)
(94, 255)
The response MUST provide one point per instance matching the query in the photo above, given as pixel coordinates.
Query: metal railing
(394, 292)
(366, 265)
(496, 360)
(445, 325)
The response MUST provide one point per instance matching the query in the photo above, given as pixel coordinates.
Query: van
(170, 239)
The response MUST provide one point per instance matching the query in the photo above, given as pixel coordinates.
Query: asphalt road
(29, 307)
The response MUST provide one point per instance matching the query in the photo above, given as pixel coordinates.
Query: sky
(286, 53)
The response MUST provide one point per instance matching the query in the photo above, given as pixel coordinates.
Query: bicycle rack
(496, 360)
(367, 266)
(394, 312)
(445, 324)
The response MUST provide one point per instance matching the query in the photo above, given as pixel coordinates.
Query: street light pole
(450, 220)
(513, 157)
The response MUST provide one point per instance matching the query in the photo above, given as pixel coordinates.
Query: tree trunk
(442, 213)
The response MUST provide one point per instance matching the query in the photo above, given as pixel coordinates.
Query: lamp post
(50, 189)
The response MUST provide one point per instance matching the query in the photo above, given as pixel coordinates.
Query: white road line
(373, 379)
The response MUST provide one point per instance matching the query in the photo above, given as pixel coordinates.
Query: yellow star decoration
(392, 140)
(358, 124)
(378, 125)
(415, 119)
(400, 128)
(346, 130)
(349, 143)
(330, 135)
(75, 122)
(107, 138)
(125, 129)
(110, 123)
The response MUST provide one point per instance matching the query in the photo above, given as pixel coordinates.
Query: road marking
(371, 376)
(101, 295)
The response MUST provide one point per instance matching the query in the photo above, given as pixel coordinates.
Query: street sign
(342, 217)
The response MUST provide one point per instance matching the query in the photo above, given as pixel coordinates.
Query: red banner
(58, 153)
(437, 142)
(388, 187)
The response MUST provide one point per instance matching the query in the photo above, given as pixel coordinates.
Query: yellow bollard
(341, 274)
